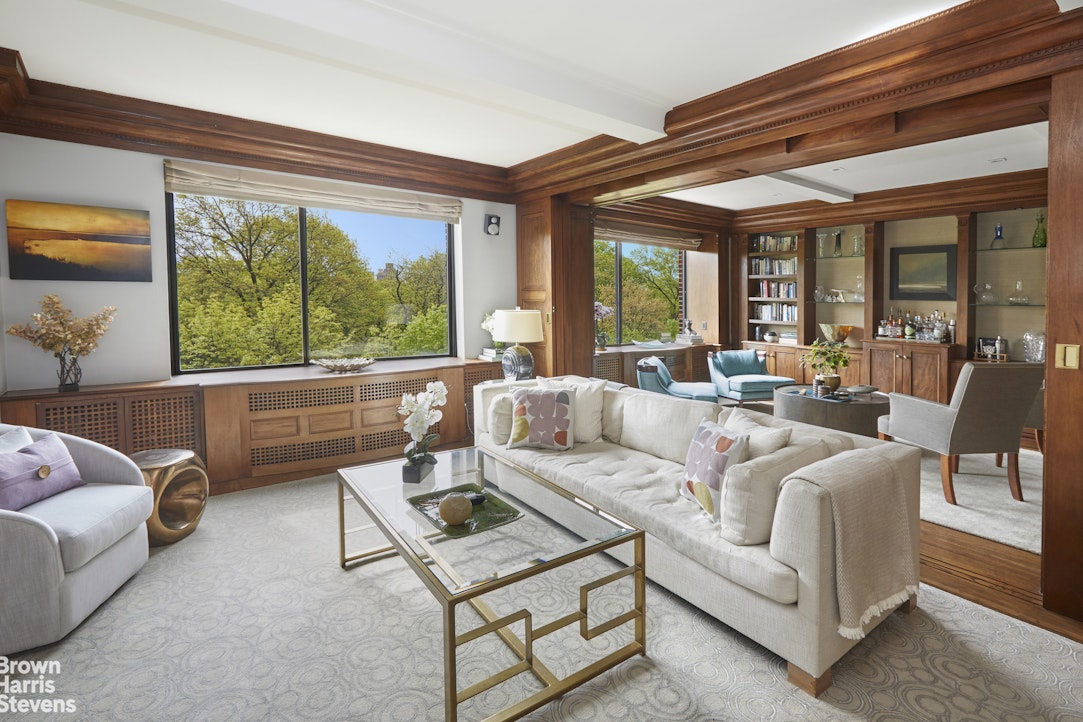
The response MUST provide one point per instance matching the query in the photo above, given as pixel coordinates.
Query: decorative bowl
(835, 332)
(344, 365)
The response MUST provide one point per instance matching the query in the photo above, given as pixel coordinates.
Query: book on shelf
(490, 354)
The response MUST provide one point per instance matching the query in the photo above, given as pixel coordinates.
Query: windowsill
(258, 376)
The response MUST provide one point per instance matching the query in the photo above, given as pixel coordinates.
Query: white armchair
(61, 557)
(988, 408)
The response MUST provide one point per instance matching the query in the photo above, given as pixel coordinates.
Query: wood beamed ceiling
(981, 66)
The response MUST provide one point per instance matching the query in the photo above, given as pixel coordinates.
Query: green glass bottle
(1039, 238)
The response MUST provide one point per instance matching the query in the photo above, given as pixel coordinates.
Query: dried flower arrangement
(67, 338)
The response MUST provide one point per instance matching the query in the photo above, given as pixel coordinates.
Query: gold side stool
(181, 487)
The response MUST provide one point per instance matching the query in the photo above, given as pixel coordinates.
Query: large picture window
(258, 283)
(642, 284)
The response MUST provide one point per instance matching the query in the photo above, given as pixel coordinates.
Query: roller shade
(251, 185)
(645, 235)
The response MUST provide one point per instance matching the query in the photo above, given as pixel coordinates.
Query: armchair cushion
(740, 363)
(35, 472)
(89, 519)
(749, 383)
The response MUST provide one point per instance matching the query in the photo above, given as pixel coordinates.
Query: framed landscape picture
(923, 273)
(62, 242)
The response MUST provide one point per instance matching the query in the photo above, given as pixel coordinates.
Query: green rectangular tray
(491, 513)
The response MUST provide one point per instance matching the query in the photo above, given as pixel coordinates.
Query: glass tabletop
(503, 537)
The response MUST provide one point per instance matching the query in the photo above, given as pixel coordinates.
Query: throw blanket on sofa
(872, 537)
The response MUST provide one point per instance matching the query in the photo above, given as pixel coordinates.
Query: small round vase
(831, 381)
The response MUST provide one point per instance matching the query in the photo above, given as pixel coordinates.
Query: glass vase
(1038, 240)
(1034, 346)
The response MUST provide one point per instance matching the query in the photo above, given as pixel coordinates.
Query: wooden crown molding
(60, 112)
(973, 195)
(670, 213)
(722, 146)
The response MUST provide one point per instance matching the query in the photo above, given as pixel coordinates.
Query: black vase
(414, 473)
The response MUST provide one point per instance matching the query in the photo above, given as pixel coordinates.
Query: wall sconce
(492, 225)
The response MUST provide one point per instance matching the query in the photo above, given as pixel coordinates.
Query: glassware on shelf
(1019, 298)
(1038, 240)
(818, 295)
(859, 288)
(821, 239)
(998, 240)
(984, 294)
(838, 243)
(1034, 346)
(859, 245)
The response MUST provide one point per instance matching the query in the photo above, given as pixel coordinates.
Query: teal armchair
(742, 376)
(652, 375)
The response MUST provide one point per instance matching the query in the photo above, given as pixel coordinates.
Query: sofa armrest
(485, 392)
(29, 550)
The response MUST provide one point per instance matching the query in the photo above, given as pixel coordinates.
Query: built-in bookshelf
(773, 290)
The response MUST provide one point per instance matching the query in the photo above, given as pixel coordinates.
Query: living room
(76, 145)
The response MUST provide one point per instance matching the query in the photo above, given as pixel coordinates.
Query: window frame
(618, 285)
(302, 231)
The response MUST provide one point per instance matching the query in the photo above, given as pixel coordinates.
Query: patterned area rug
(250, 618)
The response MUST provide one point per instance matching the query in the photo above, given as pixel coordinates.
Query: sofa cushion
(500, 417)
(15, 439)
(740, 363)
(642, 490)
(663, 425)
(589, 395)
(757, 382)
(542, 419)
(37, 471)
(713, 450)
(89, 519)
(762, 440)
(750, 491)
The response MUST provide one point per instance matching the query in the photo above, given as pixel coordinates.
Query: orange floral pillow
(542, 419)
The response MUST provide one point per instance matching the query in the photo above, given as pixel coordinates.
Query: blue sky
(380, 238)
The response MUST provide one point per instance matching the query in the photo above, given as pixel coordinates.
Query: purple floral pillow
(542, 419)
(713, 450)
(36, 472)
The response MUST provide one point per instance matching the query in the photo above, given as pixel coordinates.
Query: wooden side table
(181, 487)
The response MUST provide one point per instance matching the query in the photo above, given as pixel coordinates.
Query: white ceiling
(483, 80)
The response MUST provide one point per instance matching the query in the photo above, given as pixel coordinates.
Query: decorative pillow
(750, 491)
(589, 395)
(762, 440)
(542, 419)
(713, 450)
(15, 439)
(499, 420)
(35, 472)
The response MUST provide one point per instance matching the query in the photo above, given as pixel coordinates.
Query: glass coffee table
(505, 542)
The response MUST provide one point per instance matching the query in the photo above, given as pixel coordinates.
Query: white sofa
(768, 567)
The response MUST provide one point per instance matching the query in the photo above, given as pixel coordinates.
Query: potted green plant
(826, 358)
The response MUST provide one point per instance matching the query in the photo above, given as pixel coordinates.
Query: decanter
(1019, 298)
(998, 240)
(983, 294)
(1039, 239)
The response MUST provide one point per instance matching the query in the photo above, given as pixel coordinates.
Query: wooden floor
(994, 575)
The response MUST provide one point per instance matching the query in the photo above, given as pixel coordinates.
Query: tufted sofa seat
(771, 573)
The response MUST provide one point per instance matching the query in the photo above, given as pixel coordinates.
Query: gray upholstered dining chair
(988, 408)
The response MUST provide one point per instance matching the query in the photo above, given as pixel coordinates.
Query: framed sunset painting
(63, 242)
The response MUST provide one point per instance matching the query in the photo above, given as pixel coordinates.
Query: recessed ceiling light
(998, 160)
(836, 170)
(776, 195)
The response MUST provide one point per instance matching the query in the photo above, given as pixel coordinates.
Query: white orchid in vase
(421, 413)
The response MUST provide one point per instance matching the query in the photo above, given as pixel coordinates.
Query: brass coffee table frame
(470, 591)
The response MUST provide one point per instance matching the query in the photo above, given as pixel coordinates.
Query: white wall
(136, 347)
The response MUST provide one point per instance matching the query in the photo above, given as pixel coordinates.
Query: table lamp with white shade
(517, 327)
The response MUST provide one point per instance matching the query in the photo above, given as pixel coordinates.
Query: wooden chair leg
(999, 459)
(1039, 439)
(806, 682)
(955, 463)
(1013, 476)
(882, 436)
(946, 462)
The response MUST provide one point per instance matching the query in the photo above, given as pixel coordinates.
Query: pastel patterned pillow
(542, 419)
(713, 450)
